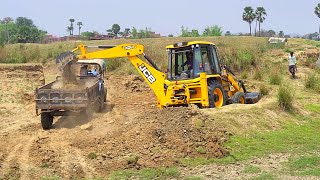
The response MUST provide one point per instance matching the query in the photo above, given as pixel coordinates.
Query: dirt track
(130, 133)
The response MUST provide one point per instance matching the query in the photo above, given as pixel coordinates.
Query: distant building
(51, 39)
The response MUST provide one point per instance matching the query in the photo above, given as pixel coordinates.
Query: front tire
(239, 98)
(216, 94)
(46, 120)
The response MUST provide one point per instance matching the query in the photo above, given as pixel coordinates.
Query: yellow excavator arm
(149, 71)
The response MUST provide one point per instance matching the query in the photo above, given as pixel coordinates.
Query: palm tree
(260, 14)
(79, 24)
(6, 21)
(248, 16)
(317, 12)
(69, 29)
(71, 26)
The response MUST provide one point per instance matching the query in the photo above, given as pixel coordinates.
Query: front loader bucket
(252, 97)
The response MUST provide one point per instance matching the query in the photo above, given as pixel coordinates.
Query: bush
(244, 75)
(264, 90)
(258, 75)
(275, 78)
(285, 98)
(311, 81)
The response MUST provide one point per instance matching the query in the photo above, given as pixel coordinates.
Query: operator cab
(188, 59)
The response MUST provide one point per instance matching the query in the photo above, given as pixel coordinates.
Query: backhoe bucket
(252, 97)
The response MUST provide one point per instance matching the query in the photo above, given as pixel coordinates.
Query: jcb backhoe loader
(194, 75)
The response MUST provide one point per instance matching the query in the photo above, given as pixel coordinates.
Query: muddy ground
(131, 132)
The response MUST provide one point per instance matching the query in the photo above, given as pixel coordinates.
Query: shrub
(264, 90)
(312, 81)
(285, 98)
(258, 75)
(275, 78)
(244, 75)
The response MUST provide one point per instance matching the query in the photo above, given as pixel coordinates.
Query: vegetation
(312, 81)
(147, 173)
(208, 31)
(114, 31)
(22, 30)
(285, 97)
(317, 12)
(248, 16)
(260, 15)
(79, 26)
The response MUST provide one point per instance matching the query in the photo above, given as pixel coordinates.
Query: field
(277, 138)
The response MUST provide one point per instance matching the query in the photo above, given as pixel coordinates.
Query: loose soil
(131, 132)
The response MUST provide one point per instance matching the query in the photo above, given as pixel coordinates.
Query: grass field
(284, 124)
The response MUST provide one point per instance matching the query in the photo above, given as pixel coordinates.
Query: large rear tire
(46, 120)
(216, 94)
(239, 98)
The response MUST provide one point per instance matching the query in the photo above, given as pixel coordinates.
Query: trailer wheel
(46, 120)
(239, 98)
(216, 94)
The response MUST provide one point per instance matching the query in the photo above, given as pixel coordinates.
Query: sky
(165, 16)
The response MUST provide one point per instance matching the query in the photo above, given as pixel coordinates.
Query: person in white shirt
(292, 65)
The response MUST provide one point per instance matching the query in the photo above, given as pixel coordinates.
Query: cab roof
(184, 44)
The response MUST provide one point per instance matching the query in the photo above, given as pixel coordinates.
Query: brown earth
(130, 133)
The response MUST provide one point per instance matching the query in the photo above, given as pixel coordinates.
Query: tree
(212, 31)
(69, 29)
(134, 32)
(185, 32)
(195, 33)
(23, 21)
(260, 14)
(71, 26)
(87, 35)
(79, 24)
(126, 32)
(248, 16)
(317, 12)
(6, 21)
(281, 34)
(228, 33)
(170, 35)
(115, 29)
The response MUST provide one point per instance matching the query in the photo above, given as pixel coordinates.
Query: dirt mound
(135, 84)
(156, 138)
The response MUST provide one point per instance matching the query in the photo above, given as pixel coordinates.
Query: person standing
(292, 65)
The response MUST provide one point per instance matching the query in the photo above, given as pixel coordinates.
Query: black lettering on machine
(145, 71)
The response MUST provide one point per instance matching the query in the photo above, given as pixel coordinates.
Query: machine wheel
(216, 94)
(46, 120)
(239, 98)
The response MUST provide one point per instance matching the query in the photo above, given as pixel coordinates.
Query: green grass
(50, 178)
(292, 138)
(193, 178)
(263, 176)
(252, 169)
(203, 161)
(313, 107)
(92, 155)
(201, 150)
(147, 173)
(305, 166)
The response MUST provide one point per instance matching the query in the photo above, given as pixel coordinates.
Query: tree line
(20, 30)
